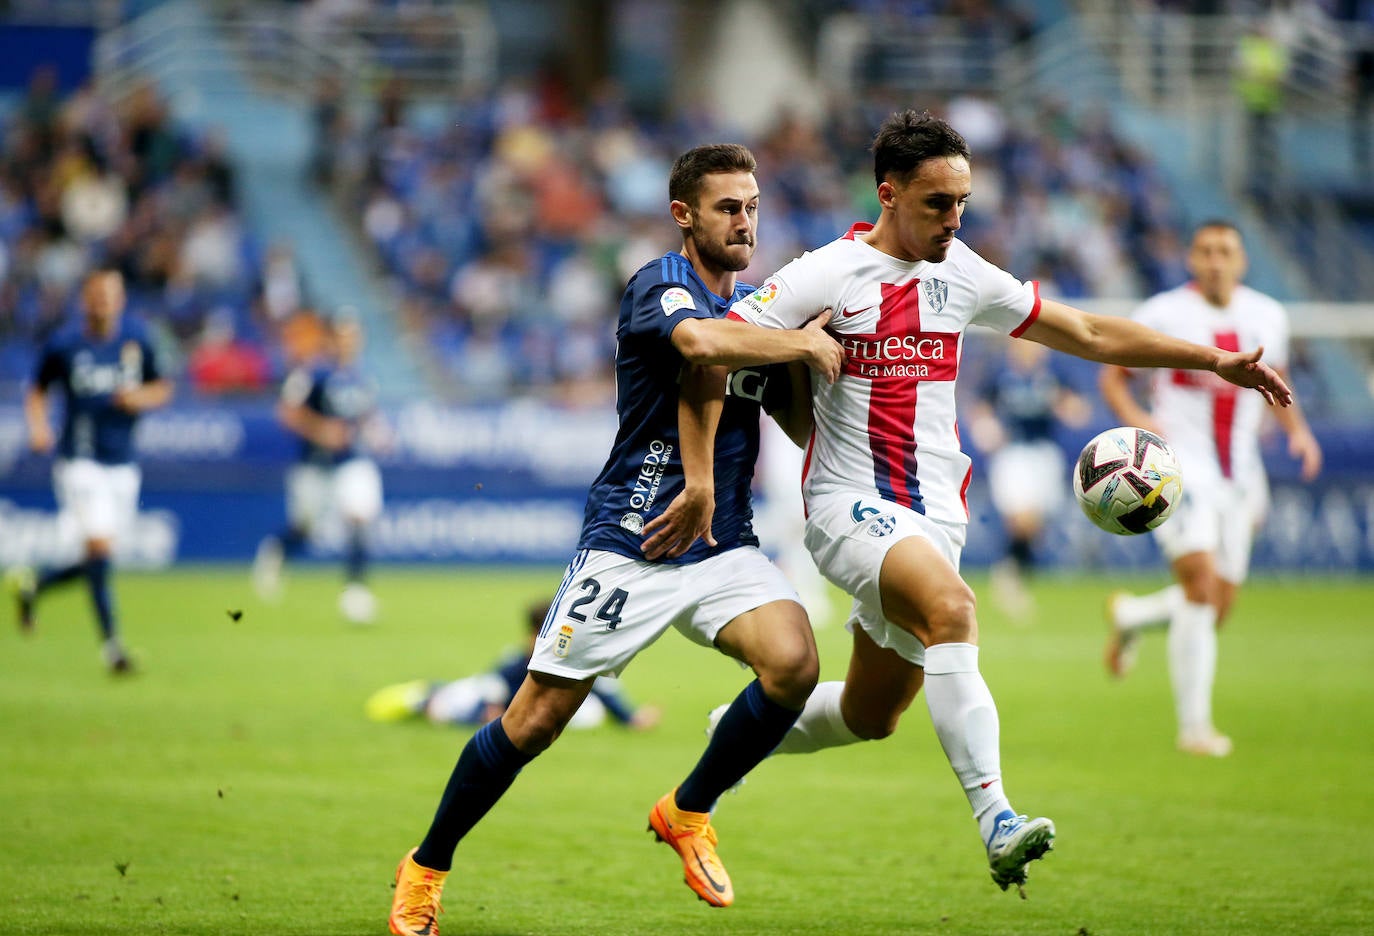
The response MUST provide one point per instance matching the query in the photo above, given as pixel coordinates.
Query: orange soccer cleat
(415, 908)
(691, 835)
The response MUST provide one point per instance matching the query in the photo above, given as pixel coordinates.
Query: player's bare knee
(953, 618)
(789, 676)
(872, 726)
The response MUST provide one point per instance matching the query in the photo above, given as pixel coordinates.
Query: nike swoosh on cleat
(719, 888)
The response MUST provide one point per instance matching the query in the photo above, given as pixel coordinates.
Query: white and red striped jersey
(1212, 425)
(888, 424)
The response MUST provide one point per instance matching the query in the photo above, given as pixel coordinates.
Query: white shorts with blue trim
(849, 534)
(609, 607)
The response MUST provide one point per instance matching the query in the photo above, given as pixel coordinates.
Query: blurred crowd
(83, 182)
(511, 222)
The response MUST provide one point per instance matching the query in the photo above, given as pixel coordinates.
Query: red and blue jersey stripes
(892, 404)
(1224, 407)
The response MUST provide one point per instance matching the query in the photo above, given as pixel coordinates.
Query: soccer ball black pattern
(1127, 480)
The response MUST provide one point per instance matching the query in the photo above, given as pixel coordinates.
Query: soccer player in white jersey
(884, 476)
(1215, 432)
(642, 564)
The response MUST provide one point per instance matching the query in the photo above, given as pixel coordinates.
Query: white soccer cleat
(713, 720)
(1205, 742)
(1015, 843)
(267, 566)
(357, 604)
(1122, 644)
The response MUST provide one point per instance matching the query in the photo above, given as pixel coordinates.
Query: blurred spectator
(1260, 68)
(220, 363)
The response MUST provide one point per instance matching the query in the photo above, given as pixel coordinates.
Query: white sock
(1147, 612)
(1193, 664)
(965, 719)
(820, 724)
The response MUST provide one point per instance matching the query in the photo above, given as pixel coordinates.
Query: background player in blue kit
(107, 373)
(1023, 398)
(621, 590)
(331, 407)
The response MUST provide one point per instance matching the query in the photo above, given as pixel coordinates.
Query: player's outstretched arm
(1112, 340)
(733, 344)
(1302, 444)
(701, 398)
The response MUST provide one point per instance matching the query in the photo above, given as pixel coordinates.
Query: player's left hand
(1245, 369)
(1303, 446)
(687, 519)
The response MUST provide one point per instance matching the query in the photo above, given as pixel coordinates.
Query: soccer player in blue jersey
(1022, 400)
(640, 566)
(332, 408)
(107, 372)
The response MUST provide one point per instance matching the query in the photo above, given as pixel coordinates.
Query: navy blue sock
(292, 542)
(50, 577)
(485, 770)
(98, 578)
(356, 568)
(747, 733)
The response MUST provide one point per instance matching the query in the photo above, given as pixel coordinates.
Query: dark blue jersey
(89, 370)
(1024, 401)
(338, 392)
(644, 471)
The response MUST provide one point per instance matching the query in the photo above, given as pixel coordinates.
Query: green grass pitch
(234, 787)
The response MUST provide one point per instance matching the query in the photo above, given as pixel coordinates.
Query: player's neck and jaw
(1217, 263)
(921, 216)
(718, 232)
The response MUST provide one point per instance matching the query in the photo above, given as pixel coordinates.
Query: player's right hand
(687, 519)
(826, 357)
(333, 434)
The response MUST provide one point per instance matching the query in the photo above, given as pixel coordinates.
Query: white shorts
(609, 607)
(352, 488)
(1027, 478)
(94, 500)
(1219, 519)
(849, 534)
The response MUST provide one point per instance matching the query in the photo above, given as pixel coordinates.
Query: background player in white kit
(885, 477)
(332, 408)
(1215, 432)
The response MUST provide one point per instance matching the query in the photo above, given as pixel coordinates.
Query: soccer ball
(1127, 480)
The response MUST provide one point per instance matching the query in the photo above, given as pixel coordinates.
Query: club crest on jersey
(633, 522)
(674, 299)
(563, 642)
(936, 293)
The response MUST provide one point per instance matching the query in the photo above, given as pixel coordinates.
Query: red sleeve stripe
(1034, 312)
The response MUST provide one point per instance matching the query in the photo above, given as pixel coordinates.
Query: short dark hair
(909, 138)
(684, 182)
(535, 612)
(1222, 223)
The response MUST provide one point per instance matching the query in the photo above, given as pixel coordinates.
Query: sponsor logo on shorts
(633, 522)
(563, 642)
(882, 524)
(674, 299)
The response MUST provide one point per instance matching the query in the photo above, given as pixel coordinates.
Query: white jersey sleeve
(790, 297)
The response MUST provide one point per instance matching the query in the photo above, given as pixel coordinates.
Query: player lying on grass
(475, 700)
